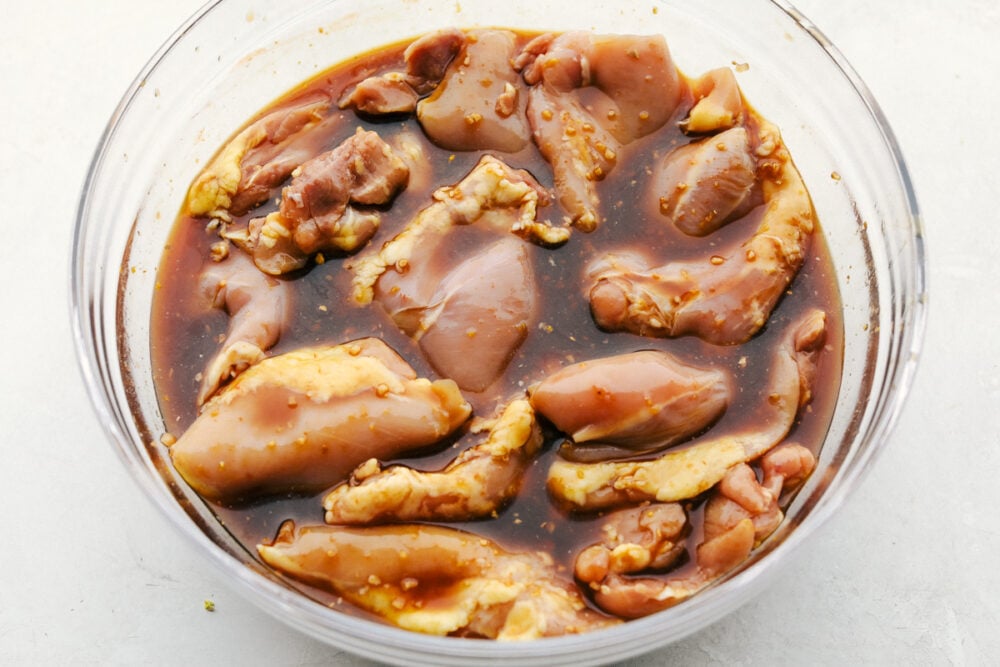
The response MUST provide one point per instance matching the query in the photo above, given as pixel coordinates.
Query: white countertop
(906, 572)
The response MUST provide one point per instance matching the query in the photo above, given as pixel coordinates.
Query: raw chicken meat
(243, 174)
(320, 208)
(636, 402)
(590, 95)
(301, 421)
(435, 580)
(724, 298)
(685, 473)
(259, 308)
(475, 485)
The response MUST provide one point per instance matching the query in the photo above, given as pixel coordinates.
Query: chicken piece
(479, 315)
(428, 57)
(266, 169)
(703, 185)
(435, 580)
(685, 473)
(718, 105)
(591, 95)
(388, 93)
(580, 152)
(301, 421)
(739, 496)
(636, 86)
(493, 194)
(739, 515)
(478, 104)
(637, 402)
(649, 537)
(479, 482)
(634, 597)
(726, 298)
(319, 208)
(395, 92)
(259, 307)
(257, 159)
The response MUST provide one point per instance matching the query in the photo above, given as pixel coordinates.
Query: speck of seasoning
(741, 67)
(218, 251)
(547, 114)
(717, 260)
(323, 308)
(209, 605)
(168, 439)
(320, 259)
(835, 175)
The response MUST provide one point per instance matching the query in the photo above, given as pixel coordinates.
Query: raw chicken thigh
(301, 421)
(327, 206)
(436, 580)
(638, 402)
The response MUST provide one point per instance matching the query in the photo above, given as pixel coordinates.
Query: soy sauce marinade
(187, 331)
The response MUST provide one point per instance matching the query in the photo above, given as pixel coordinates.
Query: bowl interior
(248, 53)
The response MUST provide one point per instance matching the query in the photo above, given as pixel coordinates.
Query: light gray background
(907, 572)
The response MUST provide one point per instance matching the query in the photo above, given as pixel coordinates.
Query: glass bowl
(247, 53)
